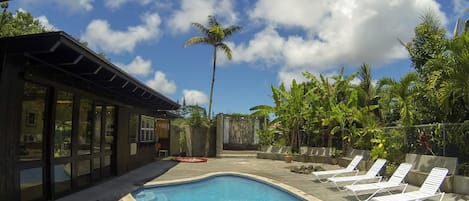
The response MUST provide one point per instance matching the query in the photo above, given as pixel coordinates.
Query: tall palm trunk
(213, 82)
(207, 137)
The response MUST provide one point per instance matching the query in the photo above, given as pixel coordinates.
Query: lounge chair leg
(441, 197)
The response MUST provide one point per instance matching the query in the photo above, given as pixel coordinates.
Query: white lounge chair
(395, 182)
(372, 174)
(429, 189)
(323, 175)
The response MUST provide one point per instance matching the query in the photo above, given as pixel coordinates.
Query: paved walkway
(118, 187)
(168, 170)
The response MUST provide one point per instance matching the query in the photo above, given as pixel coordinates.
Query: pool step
(238, 154)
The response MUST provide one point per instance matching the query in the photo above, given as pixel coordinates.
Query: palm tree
(456, 84)
(402, 92)
(367, 90)
(214, 35)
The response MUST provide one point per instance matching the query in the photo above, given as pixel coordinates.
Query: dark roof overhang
(168, 114)
(60, 52)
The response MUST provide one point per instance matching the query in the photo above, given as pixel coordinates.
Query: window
(147, 129)
(109, 126)
(31, 184)
(63, 124)
(32, 124)
(97, 129)
(84, 126)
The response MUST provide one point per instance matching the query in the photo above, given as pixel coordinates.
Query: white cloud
(100, 35)
(302, 13)
(45, 22)
(287, 77)
(194, 97)
(162, 84)
(76, 5)
(266, 46)
(460, 7)
(198, 11)
(114, 4)
(356, 81)
(71, 6)
(138, 66)
(329, 34)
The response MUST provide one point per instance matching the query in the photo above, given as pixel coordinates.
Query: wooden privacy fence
(239, 132)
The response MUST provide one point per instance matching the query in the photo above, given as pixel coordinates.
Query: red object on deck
(190, 159)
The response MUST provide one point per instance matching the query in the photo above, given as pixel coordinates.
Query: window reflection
(63, 124)
(84, 173)
(62, 178)
(109, 135)
(96, 168)
(107, 161)
(31, 184)
(97, 129)
(84, 129)
(32, 122)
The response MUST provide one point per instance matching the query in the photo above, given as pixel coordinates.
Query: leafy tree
(429, 42)
(215, 35)
(366, 91)
(402, 93)
(290, 109)
(21, 23)
(455, 87)
(266, 134)
(427, 51)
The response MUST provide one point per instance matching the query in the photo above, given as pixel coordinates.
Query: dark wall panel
(10, 110)
(122, 143)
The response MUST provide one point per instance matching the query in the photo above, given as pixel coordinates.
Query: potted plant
(288, 157)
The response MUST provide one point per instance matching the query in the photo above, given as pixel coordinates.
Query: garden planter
(461, 184)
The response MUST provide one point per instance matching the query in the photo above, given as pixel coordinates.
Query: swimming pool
(221, 187)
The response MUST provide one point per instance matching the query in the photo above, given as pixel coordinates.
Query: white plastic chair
(351, 168)
(429, 189)
(395, 182)
(372, 174)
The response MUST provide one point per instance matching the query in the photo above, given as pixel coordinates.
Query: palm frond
(231, 30)
(201, 28)
(212, 20)
(226, 50)
(197, 40)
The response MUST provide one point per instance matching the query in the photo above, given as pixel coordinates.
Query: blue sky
(280, 39)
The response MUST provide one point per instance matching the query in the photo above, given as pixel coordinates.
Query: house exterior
(69, 118)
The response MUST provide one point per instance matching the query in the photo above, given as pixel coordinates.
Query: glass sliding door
(67, 142)
(109, 133)
(32, 142)
(62, 140)
(84, 128)
(85, 123)
(103, 141)
(63, 125)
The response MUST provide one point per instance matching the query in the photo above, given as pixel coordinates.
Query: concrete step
(238, 154)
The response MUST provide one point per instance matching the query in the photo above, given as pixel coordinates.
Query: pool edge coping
(297, 192)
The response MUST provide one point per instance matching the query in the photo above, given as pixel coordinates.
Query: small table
(163, 151)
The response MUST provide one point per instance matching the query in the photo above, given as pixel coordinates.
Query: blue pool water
(218, 188)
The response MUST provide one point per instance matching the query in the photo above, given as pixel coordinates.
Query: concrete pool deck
(271, 169)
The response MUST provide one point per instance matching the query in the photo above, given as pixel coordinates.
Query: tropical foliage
(358, 115)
